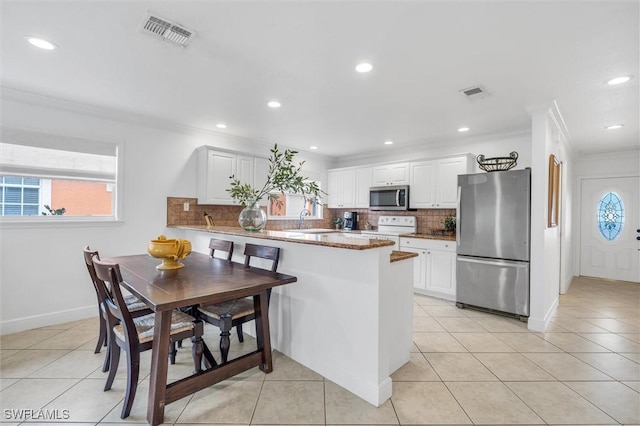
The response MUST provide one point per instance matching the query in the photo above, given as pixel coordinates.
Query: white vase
(252, 218)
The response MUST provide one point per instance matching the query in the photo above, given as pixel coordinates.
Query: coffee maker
(350, 221)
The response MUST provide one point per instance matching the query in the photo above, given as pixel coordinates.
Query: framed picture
(554, 191)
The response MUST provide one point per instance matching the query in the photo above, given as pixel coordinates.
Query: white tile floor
(466, 367)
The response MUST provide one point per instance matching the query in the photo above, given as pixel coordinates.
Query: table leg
(159, 361)
(263, 337)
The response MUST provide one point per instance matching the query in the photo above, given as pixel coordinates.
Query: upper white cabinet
(216, 166)
(434, 183)
(391, 174)
(341, 188)
(363, 183)
(260, 171)
(423, 184)
(214, 169)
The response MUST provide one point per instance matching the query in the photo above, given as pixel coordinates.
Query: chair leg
(197, 346)
(172, 353)
(102, 337)
(225, 327)
(133, 373)
(114, 359)
(240, 334)
(107, 359)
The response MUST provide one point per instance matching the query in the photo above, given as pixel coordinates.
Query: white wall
(549, 136)
(43, 280)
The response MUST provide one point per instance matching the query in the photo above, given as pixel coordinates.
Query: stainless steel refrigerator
(493, 239)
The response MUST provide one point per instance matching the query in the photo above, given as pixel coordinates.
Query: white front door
(609, 248)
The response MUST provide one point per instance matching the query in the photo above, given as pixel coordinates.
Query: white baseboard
(44, 320)
(541, 324)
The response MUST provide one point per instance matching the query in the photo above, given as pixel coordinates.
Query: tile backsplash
(428, 219)
(227, 215)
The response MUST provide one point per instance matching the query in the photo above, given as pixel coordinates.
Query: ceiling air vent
(167, 31)
(474, 92)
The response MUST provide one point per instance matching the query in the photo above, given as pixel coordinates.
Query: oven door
(389, 198)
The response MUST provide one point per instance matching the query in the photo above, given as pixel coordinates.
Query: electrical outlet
(185, 207)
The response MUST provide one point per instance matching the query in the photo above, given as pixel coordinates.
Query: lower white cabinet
(434, 270)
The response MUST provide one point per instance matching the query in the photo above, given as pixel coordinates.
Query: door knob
(638, 238)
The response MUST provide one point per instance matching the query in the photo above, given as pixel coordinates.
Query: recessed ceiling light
(388, 142)
(41, 43)
(274, 104)
(313, 147)
(614, 126)
(364, 67)
(619, 80)
(221, 126)
(463, 129)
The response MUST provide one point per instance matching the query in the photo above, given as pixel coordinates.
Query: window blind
(32, 153)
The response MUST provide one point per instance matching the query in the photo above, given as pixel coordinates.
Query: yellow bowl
(170, 251)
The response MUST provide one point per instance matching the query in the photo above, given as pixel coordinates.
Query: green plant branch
(284, 176)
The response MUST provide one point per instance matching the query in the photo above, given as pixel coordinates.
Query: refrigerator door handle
(458, 236)
(496, 262)
(397, 198)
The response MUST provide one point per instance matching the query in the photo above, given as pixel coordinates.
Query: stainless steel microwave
(389, 197)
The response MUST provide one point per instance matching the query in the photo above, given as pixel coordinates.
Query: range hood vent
(475, 92)
(165, 30)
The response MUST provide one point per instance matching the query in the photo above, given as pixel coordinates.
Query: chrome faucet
(303, 214)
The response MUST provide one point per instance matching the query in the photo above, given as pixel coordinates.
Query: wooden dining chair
(221, 245)
(135, 335)
(214, 245)
(136, 307)
(234, 313)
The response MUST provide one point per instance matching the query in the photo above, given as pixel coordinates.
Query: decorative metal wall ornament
(497, 163)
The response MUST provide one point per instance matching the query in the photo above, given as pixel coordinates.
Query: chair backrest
(110, 273)
(222, 245)
(263, 252)
(102, 292)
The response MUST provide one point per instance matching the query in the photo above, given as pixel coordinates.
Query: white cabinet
(214, 169)
(363, 183)
(434, 183)
(419, 268)
(244, 168)
(341, 188)
(435, 266)
(423, 184)
(391, 174)
(260, 171)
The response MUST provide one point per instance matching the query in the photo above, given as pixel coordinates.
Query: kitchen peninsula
(349, 317)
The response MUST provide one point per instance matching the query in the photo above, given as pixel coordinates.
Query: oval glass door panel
(610, 216)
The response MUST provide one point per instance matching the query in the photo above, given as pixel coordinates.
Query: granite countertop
(355, 241)
(430, 236)
(397, 255)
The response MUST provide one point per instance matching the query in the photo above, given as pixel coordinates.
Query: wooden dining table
(203, 280)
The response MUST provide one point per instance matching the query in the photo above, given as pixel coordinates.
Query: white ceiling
(303, 53)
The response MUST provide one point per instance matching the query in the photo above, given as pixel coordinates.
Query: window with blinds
(51, 175)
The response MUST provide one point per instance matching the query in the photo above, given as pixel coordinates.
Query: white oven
(391, 227)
